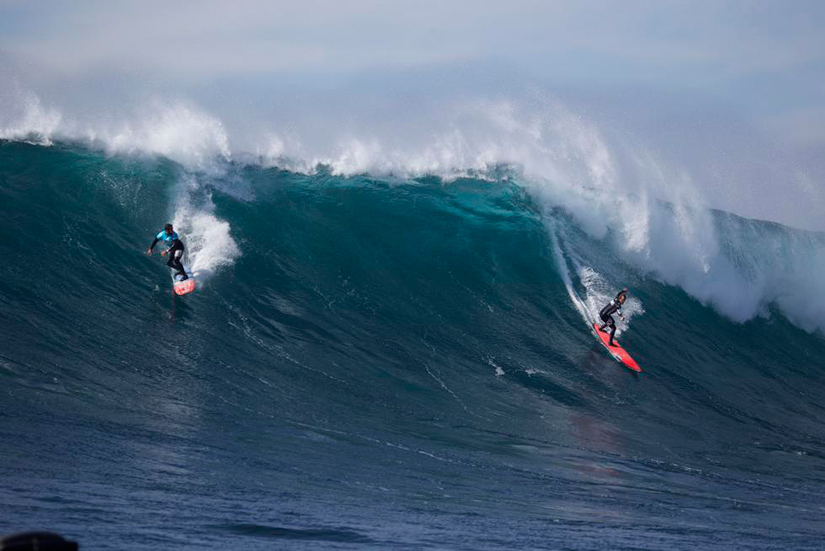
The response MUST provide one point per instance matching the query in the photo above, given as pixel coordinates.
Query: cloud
(211, 39)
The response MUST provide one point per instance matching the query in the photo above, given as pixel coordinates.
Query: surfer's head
(168, 229)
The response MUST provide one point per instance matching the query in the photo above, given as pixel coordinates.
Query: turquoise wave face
(379, 361)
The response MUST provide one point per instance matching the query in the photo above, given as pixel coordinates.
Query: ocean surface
(379, 360)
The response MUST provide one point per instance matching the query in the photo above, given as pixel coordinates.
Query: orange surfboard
(185, 287)
(619, 353)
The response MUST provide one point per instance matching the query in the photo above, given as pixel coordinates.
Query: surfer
(175, 250)
(614, 306)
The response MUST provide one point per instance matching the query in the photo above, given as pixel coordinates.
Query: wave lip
(26, 119)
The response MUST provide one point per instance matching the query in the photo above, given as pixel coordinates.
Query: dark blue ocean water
(378, 363)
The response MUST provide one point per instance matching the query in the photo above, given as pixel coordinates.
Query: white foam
(25, 118)
(178, 130)
(175, 129)
(598, 292)
(208, 240)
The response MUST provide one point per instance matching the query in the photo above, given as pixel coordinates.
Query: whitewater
(390, 346)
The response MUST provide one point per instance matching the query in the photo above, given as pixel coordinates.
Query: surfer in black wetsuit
(175, 250)
(607, 312)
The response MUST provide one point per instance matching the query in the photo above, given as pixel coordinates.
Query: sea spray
(653, 215)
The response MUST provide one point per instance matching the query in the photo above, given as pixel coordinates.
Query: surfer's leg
(612, 331)
(176, 264)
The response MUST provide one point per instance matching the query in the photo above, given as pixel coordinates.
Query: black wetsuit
(607, 316)
(175, 255)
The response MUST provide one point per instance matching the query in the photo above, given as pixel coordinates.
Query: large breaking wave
(390, 347)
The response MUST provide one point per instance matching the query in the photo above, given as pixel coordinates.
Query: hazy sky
(766, 57)
(695, 72)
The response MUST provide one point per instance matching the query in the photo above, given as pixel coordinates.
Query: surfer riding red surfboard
(614, 307)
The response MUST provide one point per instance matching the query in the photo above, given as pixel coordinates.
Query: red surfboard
(617, 351)
(184, 287)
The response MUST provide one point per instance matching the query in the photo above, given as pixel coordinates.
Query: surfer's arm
(152, 246)
(171, 248)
